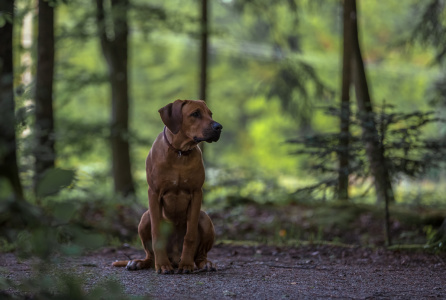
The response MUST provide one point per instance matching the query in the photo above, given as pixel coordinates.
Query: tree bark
(204, 28)
(44, 151)
(344, 140)
(203, 49)
(374, 149)
(115, 51)
(8, 145)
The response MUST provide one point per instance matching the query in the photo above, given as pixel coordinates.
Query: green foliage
(317, 222)
(271, 64)
(53, 181)
(5, 18)
(42, 233)
(407, 152)
(436, 238)
(430, 28)
(49, 233)
(248, 80)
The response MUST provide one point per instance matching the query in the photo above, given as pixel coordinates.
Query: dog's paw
(207, 266)
(133, 265)
(185, 268)
(138, 264)
(165, 269)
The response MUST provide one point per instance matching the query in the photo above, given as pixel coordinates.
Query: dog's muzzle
(212, 134)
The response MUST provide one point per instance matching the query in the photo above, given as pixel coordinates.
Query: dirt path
(270, 273)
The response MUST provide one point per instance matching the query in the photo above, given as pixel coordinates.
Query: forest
(333, 114)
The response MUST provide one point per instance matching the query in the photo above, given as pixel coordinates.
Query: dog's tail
(120, 263)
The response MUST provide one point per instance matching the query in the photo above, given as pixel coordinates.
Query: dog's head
(193, 118)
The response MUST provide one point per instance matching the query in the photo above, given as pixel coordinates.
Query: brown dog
(175, 174)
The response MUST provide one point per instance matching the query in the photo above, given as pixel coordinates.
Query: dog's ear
(172, 116)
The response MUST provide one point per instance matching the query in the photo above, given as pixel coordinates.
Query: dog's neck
(181, 150)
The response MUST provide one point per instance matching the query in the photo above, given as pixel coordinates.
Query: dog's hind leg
(145, 234)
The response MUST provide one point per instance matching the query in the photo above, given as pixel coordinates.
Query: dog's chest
(178, 187)
(184, 180)
(182, 176)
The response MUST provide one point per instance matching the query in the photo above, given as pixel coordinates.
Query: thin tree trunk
(203, 49)
(374, 149)
(8, 145)
(115, 51)
(203, 54)
(44, 152)
(345, 102)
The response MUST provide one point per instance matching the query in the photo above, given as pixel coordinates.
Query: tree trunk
(44, 152)
(8, 145)
(374, 149)
(115, 51)
(345, 102)
(203, 49)
(204, 28)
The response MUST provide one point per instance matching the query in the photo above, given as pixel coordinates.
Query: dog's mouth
(208, 139)
(213, 139)
(211, 134)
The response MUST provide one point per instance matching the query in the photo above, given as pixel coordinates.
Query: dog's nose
(217, 126)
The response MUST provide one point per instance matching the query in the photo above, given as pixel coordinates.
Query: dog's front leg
(191, 238)
(162, 263)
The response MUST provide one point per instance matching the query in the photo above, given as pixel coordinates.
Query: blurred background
(314, 146)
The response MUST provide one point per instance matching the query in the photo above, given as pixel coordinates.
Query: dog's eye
(195, 114)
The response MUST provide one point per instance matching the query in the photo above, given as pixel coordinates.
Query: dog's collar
(179, 152)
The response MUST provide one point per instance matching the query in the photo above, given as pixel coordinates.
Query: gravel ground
(260, 272)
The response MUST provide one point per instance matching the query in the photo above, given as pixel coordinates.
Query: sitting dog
(175, 174)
